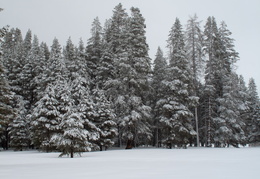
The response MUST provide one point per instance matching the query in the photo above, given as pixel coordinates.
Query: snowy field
(192, 163)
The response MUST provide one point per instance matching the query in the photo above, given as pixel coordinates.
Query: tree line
(79, 98)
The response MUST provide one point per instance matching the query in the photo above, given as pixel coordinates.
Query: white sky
(64, 18)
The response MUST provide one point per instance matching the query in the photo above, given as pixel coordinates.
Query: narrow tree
(159, 75)
(104, 119)
(6, 111)
(254, 106)
(194, 51)
(175, 106)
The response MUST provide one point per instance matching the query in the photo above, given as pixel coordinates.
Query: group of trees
(76, 98)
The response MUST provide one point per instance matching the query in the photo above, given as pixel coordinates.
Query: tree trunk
(129, 144)
(197, 126)
(71, 153)
(209, 126)
(119, 137)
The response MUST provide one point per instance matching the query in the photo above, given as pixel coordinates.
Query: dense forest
(109, 92)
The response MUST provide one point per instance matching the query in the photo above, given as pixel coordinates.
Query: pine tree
(254, 106)
(73, 138)
(77, 130)
(6, 111)
(39, 66)
(28, 72)
(159, 75)
(104, 119)
(80, 61)
(94, 51)
(177, 101)
(54, 68)
(212, 80)
(19, 127)
(135, 69)
(69, 53)
(228, 124)
(194, 52)
(106, 70)
(45, 119)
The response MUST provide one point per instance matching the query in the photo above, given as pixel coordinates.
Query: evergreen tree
(73, 138)
(176, 115)
(254, 112)
(212, 88)
(6, 111)
(159, 75)
(69, 53)
(77, 131)
(94, 50)
(194, 52)
(54, 68)
(19, 127)
(228, 124)
(80, 62)
(39, 66)
(45, 119)
(28, 72)
(106, 70)
(84, 104)
(135, 69)
(104, 119)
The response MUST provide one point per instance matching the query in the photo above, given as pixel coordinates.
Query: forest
(109, 92)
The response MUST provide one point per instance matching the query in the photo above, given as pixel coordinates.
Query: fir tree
(94, 50)
(84, 104)
(104, 119)
(73, 138)
(19, 127)
(176, 103)
(159, 75)
(47, 115)
(212, 88)
(194, 52)
(6, 111)
(76, 131)
(254, 113)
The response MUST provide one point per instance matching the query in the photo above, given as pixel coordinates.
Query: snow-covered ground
(191, 163)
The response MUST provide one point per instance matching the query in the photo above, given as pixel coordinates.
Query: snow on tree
(29, 72)
(69, 53)
(104, 119)
(54, 68)
(229, 127)
(94, 51)
(80, 93)
(212, 80)
(254, 112)
(6, 111)
(77, 130)
(23, 74)
(221, 114)
(80, 61)
(19, 127)
(194, 52)
(176, 115)
(73, 138)
(134, 66)
(45, 119)
(106, 69)
(159, 75)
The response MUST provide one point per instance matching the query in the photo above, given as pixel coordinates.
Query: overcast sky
(72, 18)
